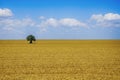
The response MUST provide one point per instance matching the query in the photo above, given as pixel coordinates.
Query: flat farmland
(60, 60)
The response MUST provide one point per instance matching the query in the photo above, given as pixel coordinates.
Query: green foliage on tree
(31, 38)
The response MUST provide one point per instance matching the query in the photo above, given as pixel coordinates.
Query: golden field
(60, 60)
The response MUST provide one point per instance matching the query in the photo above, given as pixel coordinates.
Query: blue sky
(60, 19)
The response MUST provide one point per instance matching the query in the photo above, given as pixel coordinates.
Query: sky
(60, 19)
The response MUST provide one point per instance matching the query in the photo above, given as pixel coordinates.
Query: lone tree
(30, 38)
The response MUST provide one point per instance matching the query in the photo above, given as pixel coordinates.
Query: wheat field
(60, 60)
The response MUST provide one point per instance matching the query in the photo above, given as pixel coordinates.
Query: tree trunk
(30, 41)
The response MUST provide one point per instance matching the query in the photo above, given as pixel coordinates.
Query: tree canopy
(31, 38)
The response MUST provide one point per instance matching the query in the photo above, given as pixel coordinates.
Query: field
(60, 60)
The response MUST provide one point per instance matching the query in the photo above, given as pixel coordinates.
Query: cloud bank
(5, 12)
(64, 22)
(106, 20)
(9, 23)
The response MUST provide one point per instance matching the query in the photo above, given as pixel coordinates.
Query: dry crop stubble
(60, 60)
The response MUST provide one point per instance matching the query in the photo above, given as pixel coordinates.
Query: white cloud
(64, 22)
(107, 20)
(5, 12)
(51, 22)
(68, 22)
(27, 22)
(10, 24)
(98, 17)
(16, 26)
(17, 22)
(72, 22)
